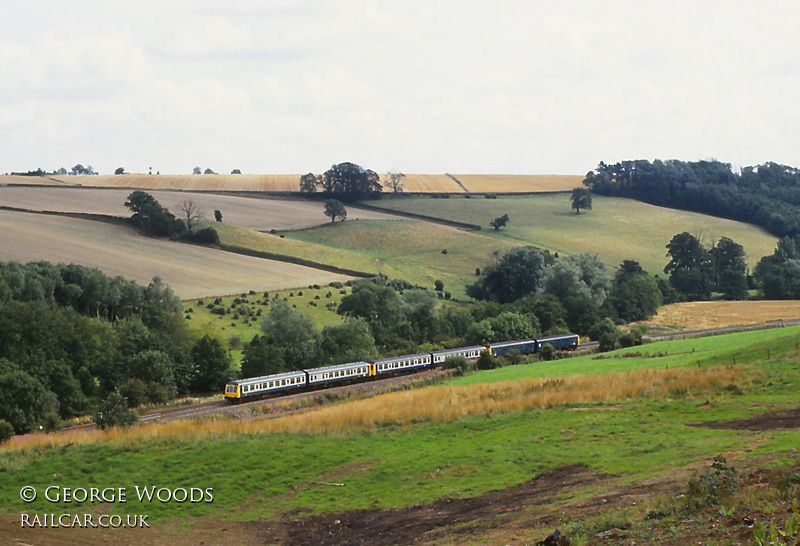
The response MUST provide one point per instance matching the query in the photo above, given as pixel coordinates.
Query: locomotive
(253, 388)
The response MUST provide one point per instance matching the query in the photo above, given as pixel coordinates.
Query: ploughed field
(248, 212)
(191, 271)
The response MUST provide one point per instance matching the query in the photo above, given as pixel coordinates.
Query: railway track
(220, 406)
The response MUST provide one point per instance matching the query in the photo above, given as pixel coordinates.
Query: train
(244, 390)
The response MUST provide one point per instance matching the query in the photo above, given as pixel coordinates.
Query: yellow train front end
(233, 393)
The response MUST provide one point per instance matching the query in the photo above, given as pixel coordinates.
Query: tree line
(70, 336)
(155, 220)
(766, 195)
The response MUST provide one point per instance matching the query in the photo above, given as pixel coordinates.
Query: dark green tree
(350, 182)
(114, 412)
(519, 273)
(689, 268)
(309, 183)
(262, 357)
(581, 199)
(335, 209)
(349, 341)
(730, 269)
(499, 222)
(778, 275)
(212, 365)
(24, 401)
(150, 217)
(294, 332)
(634, 294)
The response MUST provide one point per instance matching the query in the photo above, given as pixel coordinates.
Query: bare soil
(765, 421)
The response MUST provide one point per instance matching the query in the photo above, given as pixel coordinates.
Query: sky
(418, 86)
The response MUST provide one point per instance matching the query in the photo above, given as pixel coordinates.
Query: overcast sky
(420, 86)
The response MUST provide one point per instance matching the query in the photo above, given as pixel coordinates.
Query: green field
(401, 464)
(419, 252)
(615, 229)
(243, 312)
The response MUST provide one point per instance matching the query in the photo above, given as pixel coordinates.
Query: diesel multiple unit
(328, 376)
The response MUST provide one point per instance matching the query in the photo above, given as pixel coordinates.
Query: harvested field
(514, 183)
(414, 183)
(191, 271)
(717, 314)
(252, 213)
(426, 183)
(189, 182)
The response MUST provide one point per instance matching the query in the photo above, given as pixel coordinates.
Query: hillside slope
(191, 271)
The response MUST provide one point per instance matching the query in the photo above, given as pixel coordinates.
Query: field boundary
(415, 216)
(285, 258)
(457, 181)
(293, 260)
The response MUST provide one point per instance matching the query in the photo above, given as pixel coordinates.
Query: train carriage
(522, 346)
(259, 387)
(470, 353)
(566, 341)
(398, 364)
(339, 374)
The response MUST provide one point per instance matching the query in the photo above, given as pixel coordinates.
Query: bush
(205, 236)
(713, 486)
(6, 430)
(486, 361)
(457, 362)
(547, 352)
(114, 412)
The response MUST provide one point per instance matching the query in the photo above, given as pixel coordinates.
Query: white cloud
(421, 86)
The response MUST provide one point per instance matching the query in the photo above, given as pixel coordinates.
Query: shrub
(135, 392)
(714, 485)
(6, 430)
(457, 362)
(486, 361)
(114, 412)
(547, 352)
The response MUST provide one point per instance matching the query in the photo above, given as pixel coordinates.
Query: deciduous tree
(335, 209)
(581, 199)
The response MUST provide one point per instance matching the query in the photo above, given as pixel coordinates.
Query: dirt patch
(765, 421)
(423, 523)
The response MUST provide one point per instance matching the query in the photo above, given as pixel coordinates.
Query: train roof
(508, 343)
(553, 338)
(402, 357)
(277, 376)
(448, 351)
(337, 367)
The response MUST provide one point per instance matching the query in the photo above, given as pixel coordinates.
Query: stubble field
(191, 271)
(695, 315)
(253, 213)
(413, 183)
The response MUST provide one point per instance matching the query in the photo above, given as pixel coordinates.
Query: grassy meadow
(623, 416)
(241, 320)
(419, 252)
(615, 229)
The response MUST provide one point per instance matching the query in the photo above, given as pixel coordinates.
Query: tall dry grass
(434, 405)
